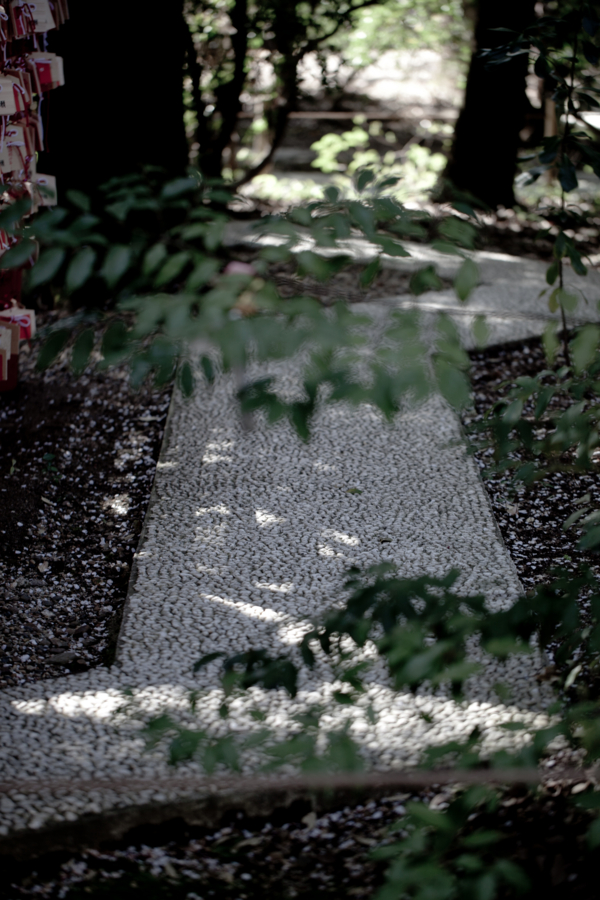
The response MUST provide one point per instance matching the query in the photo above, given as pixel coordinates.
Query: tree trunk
(483, 159)
(122, 103)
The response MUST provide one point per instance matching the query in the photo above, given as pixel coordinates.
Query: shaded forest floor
(298, 856)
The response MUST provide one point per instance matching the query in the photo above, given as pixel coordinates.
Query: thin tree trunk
(483, 159)
(122, 104)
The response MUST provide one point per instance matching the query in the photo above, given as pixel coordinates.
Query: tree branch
(415, 778)
(195, 71)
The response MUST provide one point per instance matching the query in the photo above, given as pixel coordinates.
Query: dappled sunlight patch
(248, 609)
(119, 504)
(221, 509)
(265, 518)
(277, 588)
(349, 540)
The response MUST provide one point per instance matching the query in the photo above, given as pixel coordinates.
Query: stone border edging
(253, 796)
(153, 500)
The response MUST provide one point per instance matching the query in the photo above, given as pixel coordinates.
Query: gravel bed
(250, 533)
(77, 463)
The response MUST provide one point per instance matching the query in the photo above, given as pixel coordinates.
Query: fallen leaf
(43, 567)
(249, 842)
(170, 870)
(579, 788)
(309, 819)
(365, 841)
(63, 659)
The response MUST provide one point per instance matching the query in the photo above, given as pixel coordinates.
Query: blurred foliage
(154, 256)
(407, 175)
(244, 57)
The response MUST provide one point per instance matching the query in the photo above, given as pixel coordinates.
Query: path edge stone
(204, 810)
(134, 574)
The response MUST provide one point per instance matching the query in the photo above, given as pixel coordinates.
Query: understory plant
(171, 296)
(409, 173)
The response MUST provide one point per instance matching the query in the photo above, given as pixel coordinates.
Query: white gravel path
(249, 533)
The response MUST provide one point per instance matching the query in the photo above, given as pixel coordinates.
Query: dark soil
(77, 463)
(530, 520)
(301, 856)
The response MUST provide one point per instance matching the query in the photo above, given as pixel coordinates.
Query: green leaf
(430, 817)
(550, 341)
(466, 279)
(116, 263)
(369, 274)
(513, 412)
(446, 247)
(480, 330)
(482, 839)
(567, 175)
(342, 698)
(564, 299)
(186, 379)
(484, 887)
(46, 267)
(363, 217)
(13, 214)
(458, 231)
(576, 261)
(202, 274)
(115, 341)
(208, 369)
(574, 517)
(512, 874)
(154, 258)
(452, 383)
(173, 267)
(80, 200)
(310, 263)
(18, 255)
(553, 300)
(206, 659)
(80, 269)
(51, 348)
(425, 279)
(184, 746)
(364, 177)
(584, 347)
(593, 835)
(82, 349)
(389, 246)
(591, 540)
(466, 208)
(552, 272)
(178, 188)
